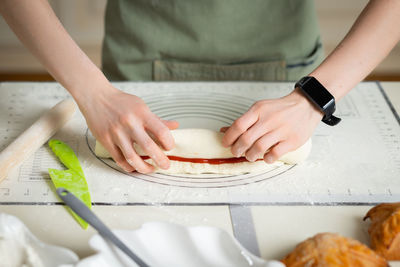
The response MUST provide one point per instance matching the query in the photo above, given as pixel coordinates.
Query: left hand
(271, 128)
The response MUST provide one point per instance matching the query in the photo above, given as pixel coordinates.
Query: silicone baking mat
(356, 162)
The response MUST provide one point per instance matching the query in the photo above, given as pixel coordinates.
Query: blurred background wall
(83, 19)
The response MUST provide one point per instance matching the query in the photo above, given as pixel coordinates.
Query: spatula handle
(86, 214)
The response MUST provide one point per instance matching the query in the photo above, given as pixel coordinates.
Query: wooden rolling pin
(35, 136)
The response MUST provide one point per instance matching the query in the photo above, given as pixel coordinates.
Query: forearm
(116, 119)
(36, 25)
(373, 35)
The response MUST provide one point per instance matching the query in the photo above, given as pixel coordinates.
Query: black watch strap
(320, 97)
(332, 120)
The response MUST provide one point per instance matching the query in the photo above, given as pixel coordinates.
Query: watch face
(318, 93)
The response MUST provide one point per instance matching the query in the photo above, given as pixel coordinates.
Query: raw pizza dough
(204, 143)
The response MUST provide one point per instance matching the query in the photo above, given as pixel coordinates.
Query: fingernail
(224, 143)
(125, 169)
(251, 159)
(164, 164)
(154, 157)
(269, 159)
(239, 152)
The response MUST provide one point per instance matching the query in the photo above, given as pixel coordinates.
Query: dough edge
(178, 167)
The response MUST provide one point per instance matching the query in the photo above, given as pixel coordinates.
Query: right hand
(118, 120)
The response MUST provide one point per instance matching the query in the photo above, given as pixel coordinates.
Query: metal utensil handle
(86, 214)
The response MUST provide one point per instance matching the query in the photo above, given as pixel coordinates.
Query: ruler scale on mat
(356, 162)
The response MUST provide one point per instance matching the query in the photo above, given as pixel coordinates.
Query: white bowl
(162, 244)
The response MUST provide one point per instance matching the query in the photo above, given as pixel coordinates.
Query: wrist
(320, 97)
(335, 86)
(299, 98)
(90, 87)
(92, 92)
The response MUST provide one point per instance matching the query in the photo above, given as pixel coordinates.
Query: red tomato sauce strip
(209, 161)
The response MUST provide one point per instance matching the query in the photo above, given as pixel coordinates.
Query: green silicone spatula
(72, 179)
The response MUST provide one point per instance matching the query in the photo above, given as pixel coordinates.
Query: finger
(238, 127)
(224, 129)
(172, 125)
(247, 139)
(277, 151)
(118, 157)
(126, 146)
(151, 149)
(161, 133)
(260, 147)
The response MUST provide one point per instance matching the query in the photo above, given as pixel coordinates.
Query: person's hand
(117, 120)
(271, 128)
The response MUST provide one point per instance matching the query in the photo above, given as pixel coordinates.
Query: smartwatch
(320, 97)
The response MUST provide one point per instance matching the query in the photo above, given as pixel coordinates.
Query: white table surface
(278, 228)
